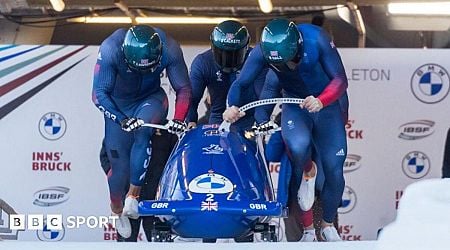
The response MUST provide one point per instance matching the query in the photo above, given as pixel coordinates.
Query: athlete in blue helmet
(306, 65)
(127, 90)
(217, 68)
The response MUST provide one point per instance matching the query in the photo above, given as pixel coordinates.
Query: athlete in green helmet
(282, 45)
(127, 90)
(142, 48)
(305, 64)
(218, 67)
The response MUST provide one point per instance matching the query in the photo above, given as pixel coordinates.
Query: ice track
(348, 245)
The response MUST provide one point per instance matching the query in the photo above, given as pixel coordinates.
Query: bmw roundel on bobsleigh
(215, 185)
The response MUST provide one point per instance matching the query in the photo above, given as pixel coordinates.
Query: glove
(265, 128)
(312, 104)
(176, 126)
(130, 124)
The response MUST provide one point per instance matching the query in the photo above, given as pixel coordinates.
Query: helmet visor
(229, 60)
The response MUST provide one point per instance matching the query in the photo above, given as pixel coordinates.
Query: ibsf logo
(430, 83)
(52, 126)
(416, 129)
(50, 234)
(416, 165)
(51, 196)
(352, 163)
(353, 133)
(348, 201)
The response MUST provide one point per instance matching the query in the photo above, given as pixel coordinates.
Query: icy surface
(349, 245)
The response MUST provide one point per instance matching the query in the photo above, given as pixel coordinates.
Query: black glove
(176, 126)
(265, 128)
(130, 124)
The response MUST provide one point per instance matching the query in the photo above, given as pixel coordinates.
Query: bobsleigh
(215, 185)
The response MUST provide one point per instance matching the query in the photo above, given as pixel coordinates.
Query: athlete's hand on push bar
(176, 126)
(232, 114)
(312, 104)
(131, 124)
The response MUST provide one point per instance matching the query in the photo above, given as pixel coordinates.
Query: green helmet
(282, 45)
(229, 44)
(142, 48)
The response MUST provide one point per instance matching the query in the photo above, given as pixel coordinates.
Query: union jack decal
(229, 36)
(209, 206)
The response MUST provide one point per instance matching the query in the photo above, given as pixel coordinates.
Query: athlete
(306, 65)
(127, 90)
(291, 183)
(217, 68)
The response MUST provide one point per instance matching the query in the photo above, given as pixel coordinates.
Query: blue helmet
(142, 48)
(282, 45)
(229, 44)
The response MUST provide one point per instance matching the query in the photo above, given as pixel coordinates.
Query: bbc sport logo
(51, 223)
(430, 83)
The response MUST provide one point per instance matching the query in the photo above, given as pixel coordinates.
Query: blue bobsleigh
(215, 185)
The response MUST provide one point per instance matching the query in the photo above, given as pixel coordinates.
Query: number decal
(210, 197)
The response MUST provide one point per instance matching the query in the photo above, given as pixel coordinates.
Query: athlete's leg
(117, 144)
(330, 138)
(296, 126)
(151, 110)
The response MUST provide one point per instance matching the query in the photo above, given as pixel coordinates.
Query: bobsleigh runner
(215, 185)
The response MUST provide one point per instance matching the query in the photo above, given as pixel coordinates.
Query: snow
(423, 218)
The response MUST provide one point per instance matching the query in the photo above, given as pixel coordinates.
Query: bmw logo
(348, 201)
(416, 165)
(430, 83)
(52, 126)
(50, 235)
(211, 183)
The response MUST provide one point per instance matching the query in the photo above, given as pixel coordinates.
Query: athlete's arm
(179, 79)
(253, 66)
(258, 84)
(198, 88)
(332, 64)
(271, 89)
(104, 81)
